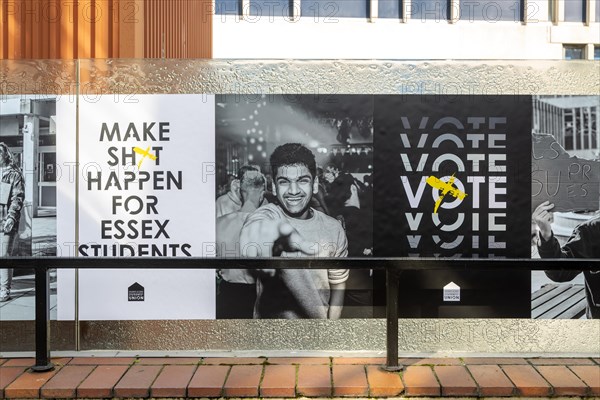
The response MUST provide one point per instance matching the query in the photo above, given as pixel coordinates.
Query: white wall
(356, 38)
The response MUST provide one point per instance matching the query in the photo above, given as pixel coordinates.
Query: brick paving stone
(455, 380)
(7, 375)
(299, 360)
(172, 381)
(494, 361)
(208, 381)
(564, 382)
(169, 361)
(243, 381)
(420, 381)
(561, 361)
(279, 381)
(590, 375)
(19, 362)
(99, 384)
(137, 381)
(102, 361)
(596, 360)
(314, 380)
(359, 361)
(61, 361)
(527, 380)
(233, 361)
(383, 383)
(430, 361)
(349, 380)
(2, 361)
(30, 362)
(28, 384)
(64, 383)
(491, 380)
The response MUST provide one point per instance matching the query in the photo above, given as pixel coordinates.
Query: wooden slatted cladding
(69, 29)
(178, 28)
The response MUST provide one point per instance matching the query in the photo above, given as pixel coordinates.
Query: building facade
(407, 29)
(305, 29)
(572, 121)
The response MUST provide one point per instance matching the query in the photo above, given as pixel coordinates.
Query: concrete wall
(313, 37)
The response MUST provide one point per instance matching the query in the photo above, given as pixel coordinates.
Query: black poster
(452, 178)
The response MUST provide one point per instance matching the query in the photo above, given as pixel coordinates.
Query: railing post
(42, 321)
(391, 283)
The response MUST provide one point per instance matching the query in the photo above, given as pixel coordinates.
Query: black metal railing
(392, 266)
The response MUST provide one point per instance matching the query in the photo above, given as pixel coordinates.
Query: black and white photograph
(27, 198)
(565, 220)
(294, 179)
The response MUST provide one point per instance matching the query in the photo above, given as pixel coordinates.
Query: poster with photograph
(565, 192)
(294, 179)
(452, 179)
(323, 176)
(146, 189)
(28, 174)
(431, 177)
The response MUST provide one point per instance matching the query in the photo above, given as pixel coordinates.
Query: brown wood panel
(84, 29)
(67, 37)
(14, 30)
(163, 18)
(171, 30)
(150, 24)
(3, 30)
(54, 17)
(170, 33)
(26, 35)
(45, 31)
(39, 40)
(179, 32)
(113, 30)
(102, 42)
(105, 28)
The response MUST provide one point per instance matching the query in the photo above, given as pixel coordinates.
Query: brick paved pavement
(173, 377)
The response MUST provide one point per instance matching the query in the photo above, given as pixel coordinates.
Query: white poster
(146, 189)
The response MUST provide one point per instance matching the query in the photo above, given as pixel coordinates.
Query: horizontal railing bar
(303, 263)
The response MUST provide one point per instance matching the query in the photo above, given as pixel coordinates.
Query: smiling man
(292, 228)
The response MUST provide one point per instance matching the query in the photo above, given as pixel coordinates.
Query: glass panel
(574, 52)
(228, 7)
(131, 77)
(575, 10)
(390, 9)
(597, 11)
(430, 10)
(329, 10)
(596, 52)
(491, 10)
(271, 8)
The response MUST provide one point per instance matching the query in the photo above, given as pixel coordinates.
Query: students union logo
(135, 292)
